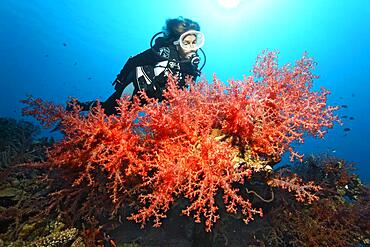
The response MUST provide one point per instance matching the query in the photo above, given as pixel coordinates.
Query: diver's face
(189, 44)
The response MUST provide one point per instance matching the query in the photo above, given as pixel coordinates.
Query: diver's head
(175, 27)
(186, 35)
(189, 43)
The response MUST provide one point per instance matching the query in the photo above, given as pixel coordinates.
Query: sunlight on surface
(229, 4)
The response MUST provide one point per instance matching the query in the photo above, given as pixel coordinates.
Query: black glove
(85, 106)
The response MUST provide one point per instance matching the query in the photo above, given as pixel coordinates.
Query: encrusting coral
(58, 236)
(198, 142)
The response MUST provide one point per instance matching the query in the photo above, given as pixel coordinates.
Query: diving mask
(191, 40)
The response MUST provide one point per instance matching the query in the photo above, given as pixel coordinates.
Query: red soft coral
(276, 106)
(95, 143)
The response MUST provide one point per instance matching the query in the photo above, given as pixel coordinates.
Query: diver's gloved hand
(85, 106)
(118, 85)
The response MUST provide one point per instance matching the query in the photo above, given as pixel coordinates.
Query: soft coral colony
(212, 138)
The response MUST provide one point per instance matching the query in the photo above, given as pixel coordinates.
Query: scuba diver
(175, 52)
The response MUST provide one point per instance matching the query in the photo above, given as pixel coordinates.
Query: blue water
(56, 49)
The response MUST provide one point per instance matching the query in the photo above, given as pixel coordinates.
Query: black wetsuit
(149, 71)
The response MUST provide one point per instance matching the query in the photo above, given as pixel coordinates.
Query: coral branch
(303, 192)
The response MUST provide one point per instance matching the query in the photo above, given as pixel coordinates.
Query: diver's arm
(147, 57)
(126, 76)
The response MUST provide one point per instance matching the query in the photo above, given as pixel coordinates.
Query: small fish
(46, 55)
(345, 116)
(64, 44)
(346, 129)
(75, 64)
(89, 78)
(353, 95)
(344, 106)
(351, 118)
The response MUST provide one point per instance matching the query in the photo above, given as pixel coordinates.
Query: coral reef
(18, 192)
(339, 218)
(21, 193)
(208, 152)
(212, 138)
(62, 238)
(18, 143)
